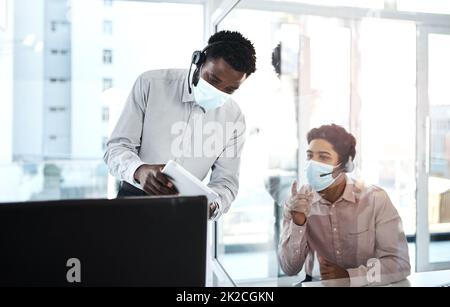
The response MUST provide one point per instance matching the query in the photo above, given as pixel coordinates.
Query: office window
(59, 80)
(107, 56)
(53, 26)
(107, 27)
(439, 151)
(247, 237)
(24, 158)
(59, 51)
(107, 83)
(59, 26)
(367, 84)
(387, 154)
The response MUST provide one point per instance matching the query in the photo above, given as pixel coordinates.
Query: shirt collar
(348, 195)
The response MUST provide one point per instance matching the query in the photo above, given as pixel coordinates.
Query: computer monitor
(146, 241)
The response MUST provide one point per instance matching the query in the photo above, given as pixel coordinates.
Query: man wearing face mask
(164, 113)
(353, 228)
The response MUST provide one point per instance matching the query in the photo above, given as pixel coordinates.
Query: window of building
(105, 114)
(107, 27)
(57, 109)
(107, 56)
(107, 83)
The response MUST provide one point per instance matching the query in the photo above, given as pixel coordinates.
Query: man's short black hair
(235, 49)
(344, 143)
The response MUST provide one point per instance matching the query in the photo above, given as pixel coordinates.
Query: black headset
(346, 168)
(198, 59)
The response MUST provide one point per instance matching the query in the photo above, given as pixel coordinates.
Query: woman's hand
(299, 205)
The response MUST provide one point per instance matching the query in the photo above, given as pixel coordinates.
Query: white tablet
(186, 183)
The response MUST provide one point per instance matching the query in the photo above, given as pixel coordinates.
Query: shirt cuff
(358, 276)
(131, 170)
(218, 210)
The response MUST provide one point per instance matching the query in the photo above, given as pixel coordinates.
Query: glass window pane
(439, 172)
(325, 84)
(248, 237)
(388, 112)
(59, 102)
(301, 79)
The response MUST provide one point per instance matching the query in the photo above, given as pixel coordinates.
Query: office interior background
(380, 68)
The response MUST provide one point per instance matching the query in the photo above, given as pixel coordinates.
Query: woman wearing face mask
(354, 229)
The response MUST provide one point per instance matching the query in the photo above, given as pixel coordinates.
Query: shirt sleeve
(293, 248)
(123, 146)
(225, 170)
(391, 262)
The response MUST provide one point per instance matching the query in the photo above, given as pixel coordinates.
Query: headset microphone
(198, 58)
(348, 168)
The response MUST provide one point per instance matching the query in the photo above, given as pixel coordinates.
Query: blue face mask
(313, 171)
(208, 97)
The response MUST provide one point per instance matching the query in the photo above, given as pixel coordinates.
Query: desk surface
(423, 279)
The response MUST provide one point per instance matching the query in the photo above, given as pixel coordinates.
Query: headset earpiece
(349, 166)
(197, 57)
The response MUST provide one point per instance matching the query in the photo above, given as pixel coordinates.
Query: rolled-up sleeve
(123, 146)
(225, 170)
(391, 262)
(293, 247)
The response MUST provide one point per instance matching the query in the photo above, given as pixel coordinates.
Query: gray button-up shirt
(161, 121)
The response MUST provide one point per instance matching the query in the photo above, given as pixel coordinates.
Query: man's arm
(293, 248)
(225, 171)
(121, 154)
